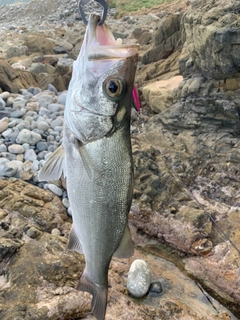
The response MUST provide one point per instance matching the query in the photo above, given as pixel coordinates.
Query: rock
(139, 278)
(214, 43)
(16, 51)
(2, 104)
(30, 155)
(3, 124)
(27, 136)
(160, 94)
(39, 44)
(56, 190)
(16, 149)
(167, 39)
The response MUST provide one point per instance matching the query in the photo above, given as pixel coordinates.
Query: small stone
(30, 155)
(3, 124)
(8, 170)
(54, 107)
(42, 125)
(3, 214)
(7, 133)
(33, 232)
(156, 288)
(5, 95)
(56, 123)
(3, 148)
(62, 98)
(28, 136)
(56, 190)
(43, 111)
(56, 232)
(66, 203)
(2, 104)
(139, 278)
(16, 149)
(42, 146)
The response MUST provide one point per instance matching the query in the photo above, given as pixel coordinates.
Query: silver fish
(96, 156)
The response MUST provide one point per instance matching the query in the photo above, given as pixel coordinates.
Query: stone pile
(30, 131)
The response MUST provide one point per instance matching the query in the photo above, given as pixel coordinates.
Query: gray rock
(57, 122)
(28, 136)
(54, 107)
(30, 155)
(18, 113)
(9, 156)
(9, 169)
(7, 133)
(44, 126)
(43, 111)
(62, 98)
(19, 103)
(42, 146)
(66, 203)
(16, 51)
(3, 148)
(139, 278)
(2, 104)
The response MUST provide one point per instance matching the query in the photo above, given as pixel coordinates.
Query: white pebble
(56, 190)
(139, 278)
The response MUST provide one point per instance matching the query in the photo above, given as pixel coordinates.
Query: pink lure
(136, 101)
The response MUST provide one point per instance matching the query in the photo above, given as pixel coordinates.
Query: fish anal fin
(53, 167)
(73, 242)
(99, 293)
(126, 246)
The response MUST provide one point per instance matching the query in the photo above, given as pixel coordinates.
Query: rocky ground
(186, 159)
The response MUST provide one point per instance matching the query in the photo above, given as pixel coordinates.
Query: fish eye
(114, 88)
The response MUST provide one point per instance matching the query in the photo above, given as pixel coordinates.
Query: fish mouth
(102, 44)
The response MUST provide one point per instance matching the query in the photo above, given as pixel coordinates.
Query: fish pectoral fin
(53, 167)
(126, 246)
(73, 242)
(99, 293)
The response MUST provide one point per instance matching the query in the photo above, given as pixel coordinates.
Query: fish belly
(100, 198)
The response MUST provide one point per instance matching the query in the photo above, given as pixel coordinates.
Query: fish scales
(96, 156)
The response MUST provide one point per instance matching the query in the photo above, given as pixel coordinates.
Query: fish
(96, 156)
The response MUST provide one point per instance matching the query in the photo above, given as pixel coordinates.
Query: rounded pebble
(139, 278)
(56, 190)
(16, 149)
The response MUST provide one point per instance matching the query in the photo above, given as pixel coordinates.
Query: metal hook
(103, 3)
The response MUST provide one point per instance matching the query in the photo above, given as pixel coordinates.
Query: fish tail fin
(99, 293)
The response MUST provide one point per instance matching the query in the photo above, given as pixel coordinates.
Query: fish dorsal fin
(53, 167)
(126, 247)
(73, 242)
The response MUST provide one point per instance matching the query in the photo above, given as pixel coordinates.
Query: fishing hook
(103, 3)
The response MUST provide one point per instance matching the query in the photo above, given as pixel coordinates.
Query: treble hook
(103, 3)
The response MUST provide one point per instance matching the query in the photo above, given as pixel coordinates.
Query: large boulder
(167, 39)
(213, 37)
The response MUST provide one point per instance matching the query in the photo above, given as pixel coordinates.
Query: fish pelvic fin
(73, 242)
(99, 293)
(126, 246)
(53, 167)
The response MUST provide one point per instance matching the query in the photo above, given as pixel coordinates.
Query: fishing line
(199, 204)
